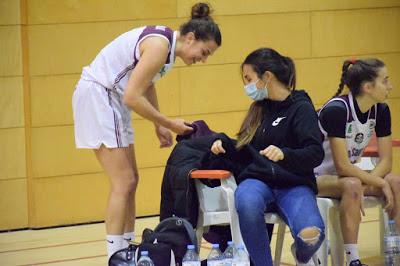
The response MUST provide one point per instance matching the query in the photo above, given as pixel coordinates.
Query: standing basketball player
(120, 79)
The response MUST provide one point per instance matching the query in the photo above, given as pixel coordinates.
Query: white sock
(128, 237)
(351, 252)
(114, 243)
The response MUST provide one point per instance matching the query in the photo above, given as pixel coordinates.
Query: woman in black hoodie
(280, 144)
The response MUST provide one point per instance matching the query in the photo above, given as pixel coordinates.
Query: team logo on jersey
(371, 124)
(349, 129)
(359, 138)
(277, 121)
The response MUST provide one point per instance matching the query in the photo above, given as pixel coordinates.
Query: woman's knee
(394, 181)
(351, 186)
(311, 235)
(125, 184)
(248, 203)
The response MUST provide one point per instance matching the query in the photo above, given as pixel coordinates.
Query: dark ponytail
(356, 72)
(202, 25)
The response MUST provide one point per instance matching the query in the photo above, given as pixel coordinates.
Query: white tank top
(357, 135)
(113, 65)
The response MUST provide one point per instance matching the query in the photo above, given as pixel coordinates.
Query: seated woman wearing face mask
(280, 133)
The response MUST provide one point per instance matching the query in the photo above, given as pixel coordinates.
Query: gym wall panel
(147, 145)
(67, 48)
(54, 153)
(148, 194)
(237, 7)
(51, 99)
(11, 51)
(72, 11)
(12, 153)
(70, 199)
(11, 102)
(394, 105)
(355, 32)
(353, 4)
(9, 12)
(320, 76)
(210, 89)
(168, 91)
(13, 204)
(289, 33)
(228, 123)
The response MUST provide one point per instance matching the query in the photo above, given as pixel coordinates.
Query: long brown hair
(262, 60)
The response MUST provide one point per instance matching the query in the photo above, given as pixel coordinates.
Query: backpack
(166, 245)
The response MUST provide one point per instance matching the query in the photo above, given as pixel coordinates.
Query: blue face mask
(254, 93)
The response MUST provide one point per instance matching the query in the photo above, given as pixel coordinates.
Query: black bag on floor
(166, 244)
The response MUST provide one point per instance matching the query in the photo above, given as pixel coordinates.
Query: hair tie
(353, 60)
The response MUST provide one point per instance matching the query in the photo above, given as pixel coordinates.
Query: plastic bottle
(228, 254)
(191, 257)
(145, 259)
(241, 258)
(215, 257)
(392, 245)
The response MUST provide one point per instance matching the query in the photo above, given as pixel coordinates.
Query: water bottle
(392, 245)
(215, 257)
(191, 258)
(145, 259)
(228, 254)
(240, 258)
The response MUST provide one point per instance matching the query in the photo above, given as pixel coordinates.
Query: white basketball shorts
(100, 117)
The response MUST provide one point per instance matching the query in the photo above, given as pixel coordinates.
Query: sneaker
(309, 263)
(356, 263)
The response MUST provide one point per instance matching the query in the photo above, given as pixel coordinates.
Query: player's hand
(387, 191)
(180, 127)
(217, 148)
(273, 153)
(164, 136)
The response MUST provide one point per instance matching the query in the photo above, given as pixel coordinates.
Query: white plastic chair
(217, 206)
(333, 243)
(328, 207)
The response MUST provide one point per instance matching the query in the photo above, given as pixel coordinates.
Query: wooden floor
(85, 245)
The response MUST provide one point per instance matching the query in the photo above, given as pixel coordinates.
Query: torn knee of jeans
(310, 235)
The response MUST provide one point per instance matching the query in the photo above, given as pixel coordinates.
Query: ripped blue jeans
(296, 205)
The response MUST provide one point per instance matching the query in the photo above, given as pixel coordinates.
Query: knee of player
(310, 235)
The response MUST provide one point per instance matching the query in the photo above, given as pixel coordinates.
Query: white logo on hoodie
(277, 121)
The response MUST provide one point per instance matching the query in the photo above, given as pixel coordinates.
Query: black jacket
(178, 192)
(292, 126)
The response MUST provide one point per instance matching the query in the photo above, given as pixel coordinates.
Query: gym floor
(84, 244)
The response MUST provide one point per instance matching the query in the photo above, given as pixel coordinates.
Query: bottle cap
(190, 246)
(241, 246)
(215, 245)
(144, 253)
(392, 221)
(230, 243)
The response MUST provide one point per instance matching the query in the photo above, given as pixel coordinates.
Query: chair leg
(336, 239)
(199, 235)
(279, 244)
(321, 255)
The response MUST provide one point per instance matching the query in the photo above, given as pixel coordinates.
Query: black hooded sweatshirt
(292, 126)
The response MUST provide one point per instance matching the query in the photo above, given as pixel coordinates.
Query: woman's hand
(273, 153)
(164, 135)
(217, 148)
(179, 126)
(387, 191)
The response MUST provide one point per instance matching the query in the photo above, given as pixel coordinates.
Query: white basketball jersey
(113, 65)
(357, 135)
